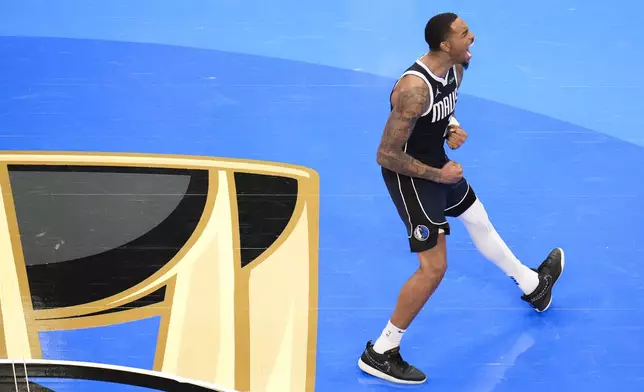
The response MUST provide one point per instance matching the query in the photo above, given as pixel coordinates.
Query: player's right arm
(410, 100)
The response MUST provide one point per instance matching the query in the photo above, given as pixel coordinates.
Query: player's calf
(420, 286)
(383, 358)
(490, 244)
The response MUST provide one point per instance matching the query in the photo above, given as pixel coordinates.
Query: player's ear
(445, 46)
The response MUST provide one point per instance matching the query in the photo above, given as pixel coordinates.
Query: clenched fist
(456, 136)
(451, 173)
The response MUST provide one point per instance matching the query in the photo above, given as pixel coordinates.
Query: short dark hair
(438, 29)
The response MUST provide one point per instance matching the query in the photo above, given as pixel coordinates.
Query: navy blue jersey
(427, 141)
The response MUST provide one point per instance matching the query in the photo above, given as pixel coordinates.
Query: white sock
(390, 338)
(492, 247)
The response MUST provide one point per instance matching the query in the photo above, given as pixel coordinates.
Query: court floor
(546, 182)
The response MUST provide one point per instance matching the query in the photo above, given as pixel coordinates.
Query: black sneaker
(389, 366)
(549, 272)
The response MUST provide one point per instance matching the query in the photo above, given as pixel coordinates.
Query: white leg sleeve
(492, 247)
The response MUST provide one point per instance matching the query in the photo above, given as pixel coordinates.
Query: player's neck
(439, 63)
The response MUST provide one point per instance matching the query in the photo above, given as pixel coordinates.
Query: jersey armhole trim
(429, 86)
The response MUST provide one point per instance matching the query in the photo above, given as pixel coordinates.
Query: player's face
(460, 41)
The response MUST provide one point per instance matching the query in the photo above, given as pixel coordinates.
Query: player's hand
(451, 173)
(456, 136)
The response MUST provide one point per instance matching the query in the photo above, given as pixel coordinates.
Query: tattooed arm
(410, 101)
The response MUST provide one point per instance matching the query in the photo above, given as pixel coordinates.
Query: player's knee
(476, 216)
(433, 268)
(433, 262)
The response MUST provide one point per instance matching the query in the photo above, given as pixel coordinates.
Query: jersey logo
(450, 80)
(421, 233)
(444, 107)
(438, 92)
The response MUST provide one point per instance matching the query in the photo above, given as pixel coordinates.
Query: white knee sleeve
(477, 216)
(493, 248)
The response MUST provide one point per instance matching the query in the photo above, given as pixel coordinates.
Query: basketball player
(427, 187)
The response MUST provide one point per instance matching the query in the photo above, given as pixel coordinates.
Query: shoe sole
(563, 263)
(377, 373)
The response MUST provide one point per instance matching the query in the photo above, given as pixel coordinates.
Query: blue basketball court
(552, 104)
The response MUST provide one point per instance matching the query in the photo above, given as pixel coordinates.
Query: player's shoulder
(411, 86)
(411, 80)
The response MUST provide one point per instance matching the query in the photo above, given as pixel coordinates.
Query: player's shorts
(424, 205)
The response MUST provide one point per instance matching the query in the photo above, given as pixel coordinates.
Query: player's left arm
(456, 135)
